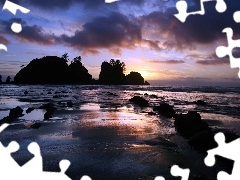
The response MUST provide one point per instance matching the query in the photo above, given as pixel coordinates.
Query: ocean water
(107, 137)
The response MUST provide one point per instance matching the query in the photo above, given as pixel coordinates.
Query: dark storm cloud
(29, 34)
(113, 32)
(198, 29)
(166, 62)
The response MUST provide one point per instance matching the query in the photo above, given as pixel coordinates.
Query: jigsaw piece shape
(177, 171)
(236, 16)
(159, 178)
(35, 165)
(12, 7)
(2, 46)
(7, 164)
(111, 1)
(33, 169)
(4, 125)
(182, 8)
(222, 51)
(227, 150)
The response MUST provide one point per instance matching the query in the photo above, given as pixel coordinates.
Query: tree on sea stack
(112, 72)
(8, 79)
(77, 59)
(65, 57)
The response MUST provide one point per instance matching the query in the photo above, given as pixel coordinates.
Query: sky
(144, 34)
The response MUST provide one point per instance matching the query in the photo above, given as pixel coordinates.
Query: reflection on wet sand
(107, 137)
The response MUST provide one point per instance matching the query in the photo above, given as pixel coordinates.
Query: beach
(105, 136)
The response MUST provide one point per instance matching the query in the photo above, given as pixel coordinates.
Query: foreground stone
(139, 100)
(165, 110)
(189, 124)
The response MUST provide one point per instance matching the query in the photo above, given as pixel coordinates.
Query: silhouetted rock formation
(8, 80)
(112, 73)
(189, 124)
(165, 110)
(53, 70)
(0, 79)
(146, 83)
(134, 78)
(79, 72)
(139, 100)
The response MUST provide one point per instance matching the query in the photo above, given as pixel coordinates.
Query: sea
(106, 136)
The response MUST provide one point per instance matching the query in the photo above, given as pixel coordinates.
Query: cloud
(166, 61)
(197, 30)
(216, 62)
(29, 34)
(64, 4)
(4, 40)
(112, 32)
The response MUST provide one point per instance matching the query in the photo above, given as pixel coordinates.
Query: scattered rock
(29, 110)
(70, 103)
(25, 92)
(49, 93)
(56, 96)
(50, 109)
(7, 119)
(151, 113)
(189, 124)
(16, 112)
(204, 140)
(48, 115)
(200, 102)
(153, 96)
(35, 126)
(165, 110)
(111, 94)
(146, 94)
(139, 100)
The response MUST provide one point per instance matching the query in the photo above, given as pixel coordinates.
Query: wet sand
(106, 137)
(105, 144)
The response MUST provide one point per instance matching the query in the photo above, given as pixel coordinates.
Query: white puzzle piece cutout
(33, 169)
(182, 8)
(227, 150)
(222, 51)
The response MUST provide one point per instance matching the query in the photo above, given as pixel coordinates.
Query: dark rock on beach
(70, 103)
(189, 124)
(35, 126)
(49, 108)
(7, 119)
(204, 140)
(16, 112)
(151, 113)
(139, 100)
(153, 96)
(29, 110)
(200, 102)
(165, 110)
